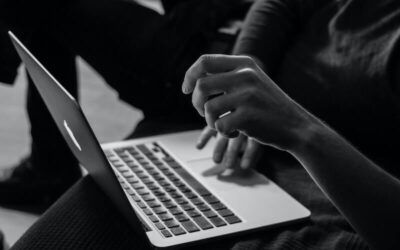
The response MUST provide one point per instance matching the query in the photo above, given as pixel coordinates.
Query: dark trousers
(84, 217)
(139, 52)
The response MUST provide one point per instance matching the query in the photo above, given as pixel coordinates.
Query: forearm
(271, 26)
(365, 194)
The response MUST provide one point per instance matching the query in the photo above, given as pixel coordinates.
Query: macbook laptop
(162, 185)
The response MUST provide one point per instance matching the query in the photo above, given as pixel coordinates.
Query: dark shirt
(24, 16)
(336, 58)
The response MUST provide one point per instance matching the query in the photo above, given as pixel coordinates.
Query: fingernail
(184, 90)
(229, 162)
(245, 163)
(217, 158)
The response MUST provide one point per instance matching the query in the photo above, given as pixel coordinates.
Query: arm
(280, 19)
(365, 194)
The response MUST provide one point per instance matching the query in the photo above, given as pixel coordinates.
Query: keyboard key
(171, 223)
(142, 192)
(159, 225)
(158, 193)
(175, 195)
(187, 207)
(181, 201)
(162, 167)
(153, 172)
(148, 181)
(217, 221)
(173, 178)
(197, 201)
(132, 180)
(147, 211)
(151, 157)
(132, 165)
(154, 218)
(178, 231)
(159, 178)
(170, 189)
(174, 165)
(225, 212)
(165, 217)
(210, 214)
(130, 191)
(141, 204)
(164, 199)
(175, 211)
(181, 217)
(190, 226)
(185, 189)
(159, 210)
(168, 159)
(193, 213)
(164, 183)
(166, 233)
(153, 187)
(138, 171)
(190, 195)
(141, 175)
(218, 206)
(153, 204)
(211, 199)
(179, 184)
(148, 197)
(168, 172)
(203, 223)
(137, 186)
(127, 174)
(135, 197)
(203, 207)
(108, 153)
(195, 184)
(232, 219)
(169, 204)
(125, 158)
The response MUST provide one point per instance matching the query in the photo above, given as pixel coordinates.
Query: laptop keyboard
(169, 196)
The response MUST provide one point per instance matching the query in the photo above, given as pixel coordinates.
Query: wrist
(306, 134)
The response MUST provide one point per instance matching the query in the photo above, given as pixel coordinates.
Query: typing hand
(240, 152)
(235, 95)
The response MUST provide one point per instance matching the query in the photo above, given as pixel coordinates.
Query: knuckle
(203, 59)
(220, 126)
(209, 108)
(194, 100)
(249, 74)
(249, 61)
(202, 85)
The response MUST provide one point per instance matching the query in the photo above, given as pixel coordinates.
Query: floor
(110, 119)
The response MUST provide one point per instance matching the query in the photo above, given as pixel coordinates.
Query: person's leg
(51, 168)
(138, 51)
(50, 153)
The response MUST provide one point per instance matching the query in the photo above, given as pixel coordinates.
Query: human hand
(234, 94)
(240, 152)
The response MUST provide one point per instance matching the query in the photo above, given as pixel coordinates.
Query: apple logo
(71, 135)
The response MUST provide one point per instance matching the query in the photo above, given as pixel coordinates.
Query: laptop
(161, 185)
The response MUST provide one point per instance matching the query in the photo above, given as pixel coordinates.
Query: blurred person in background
(139, 52)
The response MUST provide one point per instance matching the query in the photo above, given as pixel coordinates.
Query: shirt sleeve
(270, 27)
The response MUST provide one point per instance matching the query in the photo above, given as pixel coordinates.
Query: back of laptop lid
(76, 131)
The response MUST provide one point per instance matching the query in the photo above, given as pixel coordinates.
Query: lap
(85, 218)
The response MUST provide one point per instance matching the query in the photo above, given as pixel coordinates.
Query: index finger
(205, 136)
(211, 64)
